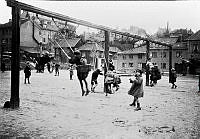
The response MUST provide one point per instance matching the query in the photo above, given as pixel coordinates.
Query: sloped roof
(114, 49)
(137, 50)
(69, 43)
(29, 49)
(90, 46)
(167, 40)
(195, 36)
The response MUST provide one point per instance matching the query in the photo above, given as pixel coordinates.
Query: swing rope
(61, 48)
(62, 35)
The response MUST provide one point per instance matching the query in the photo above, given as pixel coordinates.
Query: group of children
(136, 89)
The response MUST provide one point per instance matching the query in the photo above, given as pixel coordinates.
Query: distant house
(130, 60)
(93, 52)
(194, 46)
(36, 36)
(160, 54)
(194, 52)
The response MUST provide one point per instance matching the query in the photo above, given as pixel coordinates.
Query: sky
(149, 15)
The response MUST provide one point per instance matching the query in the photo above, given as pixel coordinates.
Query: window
(139, 65)
(154, 63)
(131, 56)
(124, 56)
(178, 54)
(123, 65)
(83, 54)
(130, 64)
(195, 49)
(163, 65)
(154, 54)
(43, 39)
(163, 54)
(139, 56)
(40, 33)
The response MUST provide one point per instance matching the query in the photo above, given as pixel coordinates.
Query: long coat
(27, 71)
(136, 89)
(173, 77)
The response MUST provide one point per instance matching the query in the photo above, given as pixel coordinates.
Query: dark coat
(27, 71)
(173, 77)
(82, 71)
(136, 89)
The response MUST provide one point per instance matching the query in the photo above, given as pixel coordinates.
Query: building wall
(194, 49)
(125, 63)
(26, 35)
(163, 61)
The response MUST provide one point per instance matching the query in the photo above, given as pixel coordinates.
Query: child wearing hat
(173, 78)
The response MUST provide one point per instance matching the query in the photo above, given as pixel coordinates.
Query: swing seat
(83, 68)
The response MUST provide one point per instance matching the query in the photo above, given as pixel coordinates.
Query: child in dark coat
(173, 78)
(95, 75)
(136, 89)
(27, 72)
(57, 69)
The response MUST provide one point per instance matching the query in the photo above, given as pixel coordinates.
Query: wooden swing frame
(15, 60)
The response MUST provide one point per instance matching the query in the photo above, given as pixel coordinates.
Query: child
(57, 69)
(27, 71)
(173, 78)
(95, 75)
(136, 90)
(71, 72)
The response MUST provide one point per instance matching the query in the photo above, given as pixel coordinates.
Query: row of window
(6, 31)
(126, 65)
(154, 55)
(131, 56)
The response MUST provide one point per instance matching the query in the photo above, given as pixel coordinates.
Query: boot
(87, 92)
(83, 92)
(138, 107)
(133, 104)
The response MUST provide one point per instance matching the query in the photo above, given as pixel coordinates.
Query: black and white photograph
(99, 69)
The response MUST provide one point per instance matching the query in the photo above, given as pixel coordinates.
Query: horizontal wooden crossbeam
(30, 8)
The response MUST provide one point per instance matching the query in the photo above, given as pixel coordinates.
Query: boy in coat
(95, 75)
(173, 78)
(27, 72)
(136, 89)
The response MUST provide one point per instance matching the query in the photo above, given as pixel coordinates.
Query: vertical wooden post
(15, 60)
(147, 58)
(106, 53)
(199, 83)
(170, 63)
